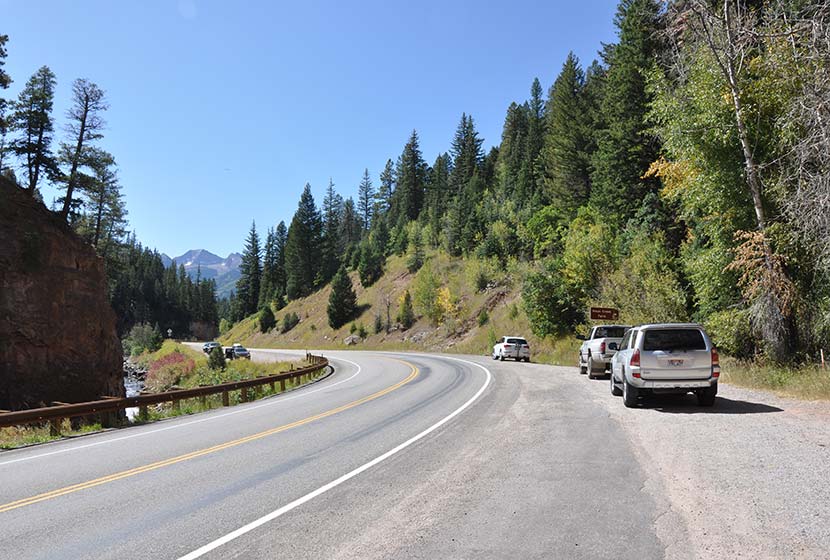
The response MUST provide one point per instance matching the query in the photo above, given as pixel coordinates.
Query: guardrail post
(226, 401)
(273, 386)
(244, 394)
(282, 385)
(143, 414)
(176, 405)
(55, 427)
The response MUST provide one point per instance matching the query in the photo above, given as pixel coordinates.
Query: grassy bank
(805, 382)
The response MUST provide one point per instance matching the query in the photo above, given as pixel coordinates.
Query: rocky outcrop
(57, 329)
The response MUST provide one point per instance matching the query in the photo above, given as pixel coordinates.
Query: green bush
(342, 300)
(216, 359)
(352, 328)
(550, 306)
(224, 325)
(361, 331)
(142, 337)
(267, 321)
(731, 332)
(289, 321)
(483, 318)
(378, 324)
(406, 315)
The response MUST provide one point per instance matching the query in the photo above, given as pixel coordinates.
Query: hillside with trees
(682, 176)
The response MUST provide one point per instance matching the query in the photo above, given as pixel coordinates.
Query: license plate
(675, 363)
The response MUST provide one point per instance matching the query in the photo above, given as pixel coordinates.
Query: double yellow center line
(206, 451)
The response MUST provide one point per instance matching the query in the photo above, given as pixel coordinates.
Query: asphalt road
(420, 456)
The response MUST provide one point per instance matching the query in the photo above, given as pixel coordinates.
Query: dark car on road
(237, 351)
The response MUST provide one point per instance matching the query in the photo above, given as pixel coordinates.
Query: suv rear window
(516, 341)
(610, 332)
(674, 339)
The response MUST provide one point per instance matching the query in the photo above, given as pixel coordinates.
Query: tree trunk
(70, 184)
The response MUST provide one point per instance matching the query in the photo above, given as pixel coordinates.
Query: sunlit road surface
(422, 456)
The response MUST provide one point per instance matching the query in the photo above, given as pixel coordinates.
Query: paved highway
(404, 456)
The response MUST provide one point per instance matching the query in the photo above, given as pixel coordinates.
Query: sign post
(604, 314)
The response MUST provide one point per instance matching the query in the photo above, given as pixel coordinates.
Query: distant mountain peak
(209, 265)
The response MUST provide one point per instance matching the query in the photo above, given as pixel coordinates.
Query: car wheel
(616, 391)
(527, 359)
(501, 356)
(706, 397)
(590, 368)
(582, 369)
(495, 356)
(630, 394)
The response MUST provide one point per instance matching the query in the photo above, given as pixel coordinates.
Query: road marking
(201, 452)
(242, 409)
(334, 483)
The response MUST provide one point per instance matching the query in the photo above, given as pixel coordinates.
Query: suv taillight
(635, 358)
(602, 347)
(715, 362)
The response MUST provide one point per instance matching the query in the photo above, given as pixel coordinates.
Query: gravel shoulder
(745, 479)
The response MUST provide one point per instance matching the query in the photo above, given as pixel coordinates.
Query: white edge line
(191, 422)
(325, 488)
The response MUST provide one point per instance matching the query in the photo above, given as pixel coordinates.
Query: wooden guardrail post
(244, 394)
(282, 385)
(226, 401)
(55, 427)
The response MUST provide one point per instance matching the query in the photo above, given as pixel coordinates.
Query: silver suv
(666, 358)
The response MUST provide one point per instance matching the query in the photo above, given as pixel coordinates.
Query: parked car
(599, 347)
(208, 347)
(237, 351)
(514, 347)
(666, 358)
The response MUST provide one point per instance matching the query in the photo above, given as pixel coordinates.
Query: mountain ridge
(207, 265)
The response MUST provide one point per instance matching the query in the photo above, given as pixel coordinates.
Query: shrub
(378, 324)
(425, 293)
(731, 332)
(352, 328)
(406, 315)
(142, 338)
(216, 358)
(361, 331)
(342, 300)
(483, 318)
(168, 371)
(289, 321)
(224, 325)
(550, 306)
(267, 321)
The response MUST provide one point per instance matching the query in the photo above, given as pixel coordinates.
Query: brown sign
(604, 314)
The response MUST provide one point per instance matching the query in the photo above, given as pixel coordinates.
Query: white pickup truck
(598, 348)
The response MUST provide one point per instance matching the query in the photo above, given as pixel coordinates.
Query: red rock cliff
(57, 329)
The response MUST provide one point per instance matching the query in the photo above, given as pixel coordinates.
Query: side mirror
(581, 337)
(613, 346)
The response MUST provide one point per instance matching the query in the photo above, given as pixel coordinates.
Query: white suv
(666, 358)
(512, 347)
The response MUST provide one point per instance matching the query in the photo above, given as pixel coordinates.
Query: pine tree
(5, 80)
(406, 315)
(302, 248)
(85, 126)
(565, 156)
(408, 197)
(280, 277)
(250, 269)
(331, 244)
(32, 120)
(342, 300)
(365, 200)
(351, 229)
(266, 319)
(268, 285)
(415, 250)
(625, 147)
(466, 153)
(437, 195)
(383, 197)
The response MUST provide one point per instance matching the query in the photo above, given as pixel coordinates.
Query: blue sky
(222, 111)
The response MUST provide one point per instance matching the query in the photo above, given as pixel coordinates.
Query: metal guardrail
(107, 405)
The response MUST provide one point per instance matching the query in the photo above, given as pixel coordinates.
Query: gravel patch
(748, 478)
